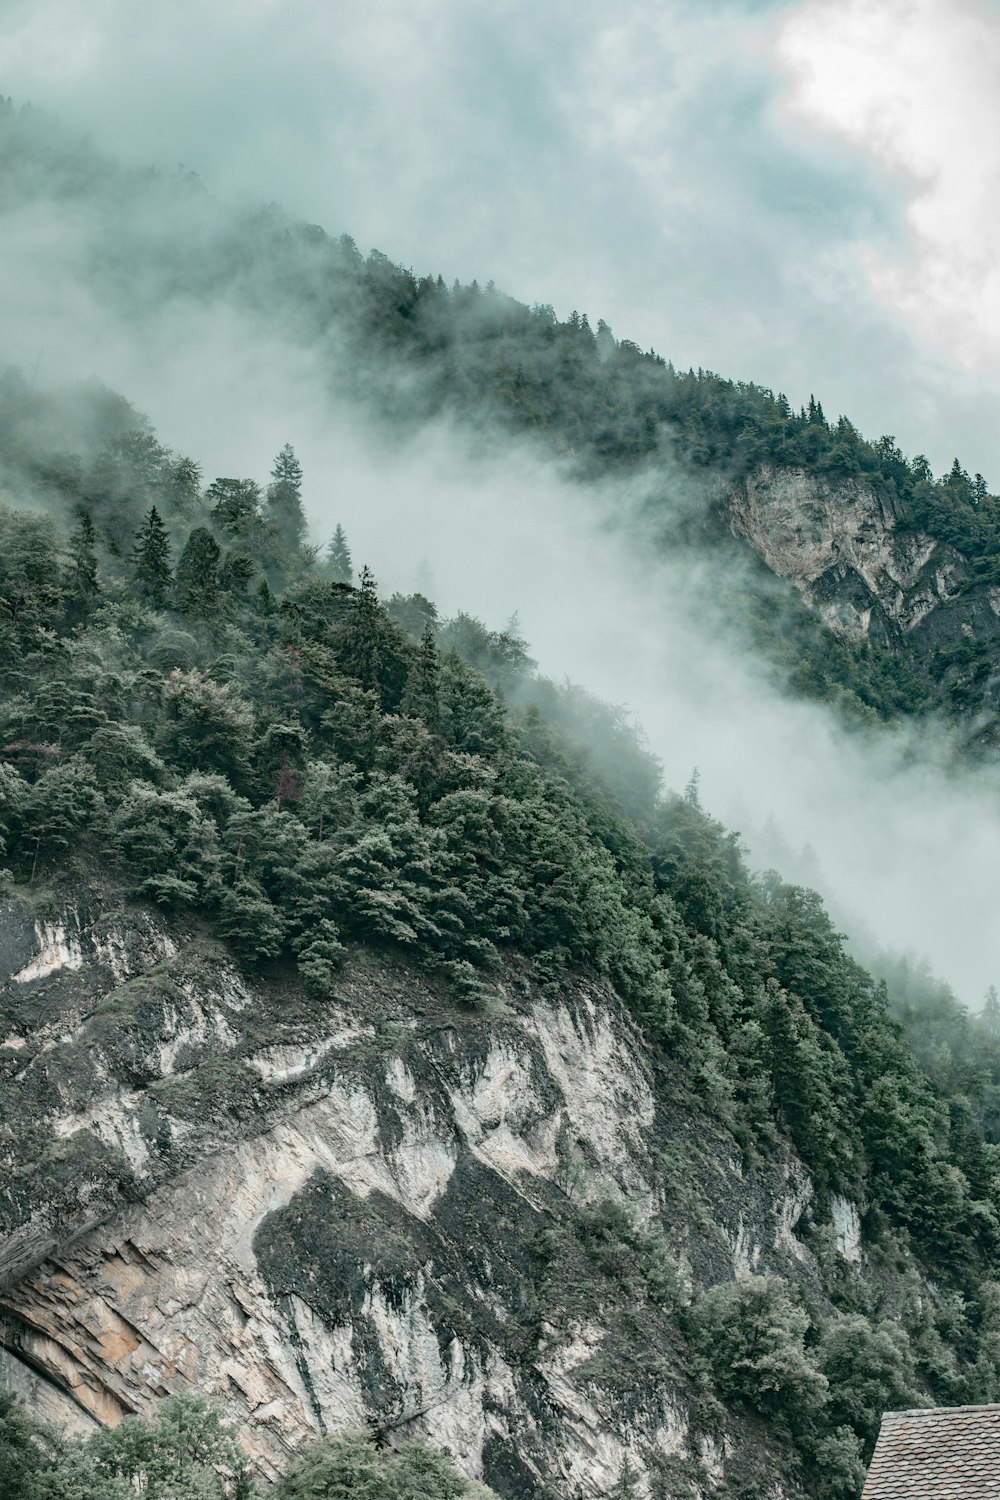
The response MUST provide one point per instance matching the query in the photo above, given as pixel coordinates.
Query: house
(937, 1453)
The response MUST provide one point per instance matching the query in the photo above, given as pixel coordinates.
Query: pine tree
(198, 575)
(991, 1012)
(284, 500)
(364, 632)
(151, 560)
(627, 1484)
(82, 586)
(422, 695)
(338, 555)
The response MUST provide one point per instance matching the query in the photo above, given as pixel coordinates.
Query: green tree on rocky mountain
(350, 1467)
(284, 500)
(338, 556)
(151, 559)
(197, 588)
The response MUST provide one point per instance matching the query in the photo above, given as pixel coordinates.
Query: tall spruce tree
(338, 556)
(82, 586)
(363, 633)
(284, 500)
(151, 560)
(422, 694)
(197, 587)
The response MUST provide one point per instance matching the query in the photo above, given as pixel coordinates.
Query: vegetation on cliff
(241, 730)
(190, 1453)
(192, 701)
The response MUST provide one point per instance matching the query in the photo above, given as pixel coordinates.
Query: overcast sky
(799, 194)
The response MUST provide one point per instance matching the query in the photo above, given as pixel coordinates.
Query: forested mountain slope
(376, 1050)
(381, 1043)
(899, 569)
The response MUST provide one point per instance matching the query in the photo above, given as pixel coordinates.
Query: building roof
(937, 1453)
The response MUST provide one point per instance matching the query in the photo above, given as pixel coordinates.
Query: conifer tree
(284, 500)
(422, 695)
(82, 586)
(364, 632)
(151, 560)
(991, 1012)
(338, 555)
(198, 575)
(235, 506)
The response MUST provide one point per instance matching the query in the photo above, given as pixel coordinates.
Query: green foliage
(284, 500)
(752, 1335)
(338, 557)
(198, 586)
(186, 1453)
(350, 1467)
(151, 560)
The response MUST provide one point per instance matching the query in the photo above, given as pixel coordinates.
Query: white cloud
(630, 165)
(916, 85)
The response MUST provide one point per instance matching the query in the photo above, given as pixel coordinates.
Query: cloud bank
(642, 166)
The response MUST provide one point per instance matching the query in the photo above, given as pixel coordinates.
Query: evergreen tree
(421, 697)
(235, 506)
(181, 486)
(627, 1484)
(338, 556)
(82, 586)
(363, 633)
(991, 1012)
(151, 560)
(197, 586)
(284, 500)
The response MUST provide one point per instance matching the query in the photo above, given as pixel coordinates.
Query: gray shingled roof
(938, 1453)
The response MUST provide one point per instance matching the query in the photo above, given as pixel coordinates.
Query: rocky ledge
(366, 1210)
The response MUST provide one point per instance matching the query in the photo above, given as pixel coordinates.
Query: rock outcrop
(340, 1213)
(863, 573)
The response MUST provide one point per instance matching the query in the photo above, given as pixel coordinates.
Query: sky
(798, 194)
(804, 195)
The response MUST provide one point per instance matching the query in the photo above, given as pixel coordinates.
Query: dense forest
(198, 702)
(236, 727)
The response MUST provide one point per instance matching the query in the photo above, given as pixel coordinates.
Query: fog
(906, 847)
(719, 178)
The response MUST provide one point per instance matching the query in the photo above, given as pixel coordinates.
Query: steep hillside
(898, 569)
(495, 1228)
(371, 1207)
(383, 1045)
(380, 1043)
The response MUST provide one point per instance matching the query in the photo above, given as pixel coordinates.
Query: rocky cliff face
(367, 1210)
(840, 544)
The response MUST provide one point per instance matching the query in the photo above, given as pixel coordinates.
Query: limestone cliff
(353, 1211)
(841, 544)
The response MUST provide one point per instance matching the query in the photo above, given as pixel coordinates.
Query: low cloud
(639, 167)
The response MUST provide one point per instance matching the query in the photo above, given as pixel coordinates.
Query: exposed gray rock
(335, 1213)
(863, 573)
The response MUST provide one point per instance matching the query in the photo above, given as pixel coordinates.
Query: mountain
(382, 1045)
(898, 569)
